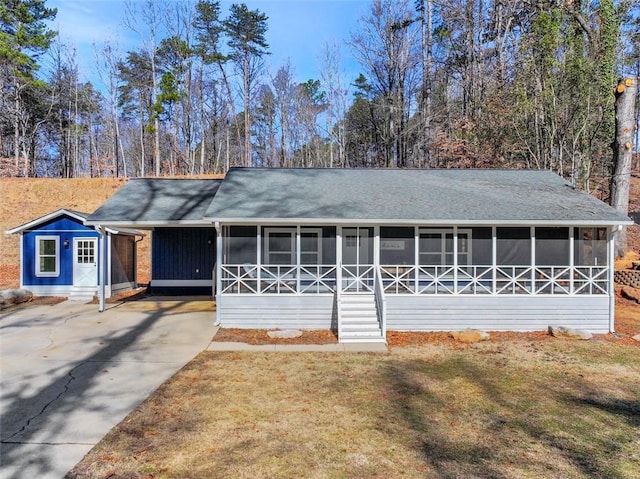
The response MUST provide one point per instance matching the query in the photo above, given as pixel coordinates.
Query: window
(436, 247)
(86, 252)
(280, 246)
(310, 247)
(47, 256)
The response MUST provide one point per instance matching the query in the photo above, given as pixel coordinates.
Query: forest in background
(455, 83)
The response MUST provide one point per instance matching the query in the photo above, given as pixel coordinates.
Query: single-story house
(59, 256)
(370, 250)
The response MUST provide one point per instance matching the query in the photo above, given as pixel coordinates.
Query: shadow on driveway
(69, 390)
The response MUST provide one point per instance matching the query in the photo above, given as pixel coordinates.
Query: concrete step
(362, 339)
(82, 293)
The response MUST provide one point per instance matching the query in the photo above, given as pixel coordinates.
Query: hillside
(24, 199)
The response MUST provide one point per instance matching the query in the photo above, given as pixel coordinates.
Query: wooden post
(622, 154)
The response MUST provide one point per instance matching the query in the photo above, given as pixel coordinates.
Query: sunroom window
(436, 246)
(47, 256)
(280, 246)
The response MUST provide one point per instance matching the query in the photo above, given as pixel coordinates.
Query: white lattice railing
(358, 278)
(396, 279)
(277, 279)
(591, 280)
(503, 280)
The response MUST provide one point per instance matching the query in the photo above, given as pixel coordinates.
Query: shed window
(47, 256)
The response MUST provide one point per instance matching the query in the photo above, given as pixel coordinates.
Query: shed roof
(158, 201)
(393, 196)
(77, 215)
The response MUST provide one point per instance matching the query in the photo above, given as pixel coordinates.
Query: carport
(183, 246)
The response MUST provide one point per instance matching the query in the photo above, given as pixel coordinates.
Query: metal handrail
(381, 301)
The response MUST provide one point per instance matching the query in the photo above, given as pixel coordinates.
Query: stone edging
(628, 277)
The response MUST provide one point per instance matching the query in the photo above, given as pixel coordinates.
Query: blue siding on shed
(65, 228)
(183, 253)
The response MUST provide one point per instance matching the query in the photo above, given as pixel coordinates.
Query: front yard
(514, 408)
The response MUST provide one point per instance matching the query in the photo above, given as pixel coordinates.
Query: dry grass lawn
(510, 409)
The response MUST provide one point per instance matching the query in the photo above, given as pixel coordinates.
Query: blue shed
(59, 256)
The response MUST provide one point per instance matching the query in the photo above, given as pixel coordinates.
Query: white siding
(277, 311)
(491, 313)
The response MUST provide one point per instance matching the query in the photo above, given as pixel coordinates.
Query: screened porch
(413, 260)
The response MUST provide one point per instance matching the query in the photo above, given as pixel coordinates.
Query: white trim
(102, 279)
(96, 258)
(612, 293)
(50, 290)
(413, 222)
(151, 224)
(181, 282)
(292, 242)
(47, 274)
(44, 219)
(532, 252)
(494, 258)
(21, 260)
(218, 284)
(455, 231)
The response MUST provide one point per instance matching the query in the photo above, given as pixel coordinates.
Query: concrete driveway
(68, 374)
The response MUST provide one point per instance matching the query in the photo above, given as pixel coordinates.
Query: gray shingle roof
(157, 201)
(402, 196)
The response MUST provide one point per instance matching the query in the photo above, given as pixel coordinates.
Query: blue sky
(298, 29)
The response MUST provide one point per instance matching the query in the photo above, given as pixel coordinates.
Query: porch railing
(410, 279)
(277, 279)
(502, 280)
(358, 278)
(381, 302)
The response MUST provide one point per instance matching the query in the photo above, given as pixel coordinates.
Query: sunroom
(320, 248)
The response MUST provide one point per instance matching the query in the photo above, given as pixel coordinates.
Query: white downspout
(612, 291)
(102, 267)
(218, 272)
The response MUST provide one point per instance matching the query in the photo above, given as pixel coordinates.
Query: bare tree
(623, 147)
(386, 47)
(148, 18)
(336, 97)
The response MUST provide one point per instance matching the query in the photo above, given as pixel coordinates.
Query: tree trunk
(622, 153)
(247, 119)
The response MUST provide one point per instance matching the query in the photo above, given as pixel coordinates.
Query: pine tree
(24, 36)
(246, 30)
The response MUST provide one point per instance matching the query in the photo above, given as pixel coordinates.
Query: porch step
(359, 319)
(82, 293)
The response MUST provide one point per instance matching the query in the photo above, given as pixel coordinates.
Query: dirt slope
(24, 199)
